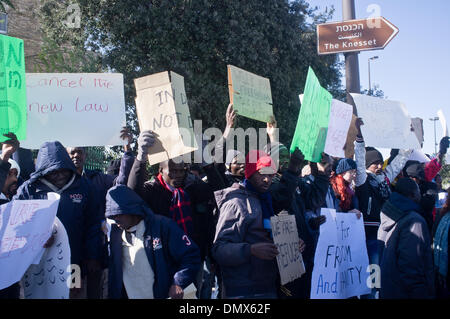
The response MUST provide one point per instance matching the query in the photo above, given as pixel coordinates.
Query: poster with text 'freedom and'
(341, 260)
(340, 117)
(162, 107)
(387, 124)
(250, 94)
(285, 237)
(25, 226)
(13, 93)
(50, 279)
(77, 109)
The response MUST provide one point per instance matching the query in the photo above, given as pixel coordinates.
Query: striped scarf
(180, 207)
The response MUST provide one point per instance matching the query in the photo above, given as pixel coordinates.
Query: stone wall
(23, 23)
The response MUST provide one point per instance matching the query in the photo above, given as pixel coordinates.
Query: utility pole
(351, 58)
(434, 122)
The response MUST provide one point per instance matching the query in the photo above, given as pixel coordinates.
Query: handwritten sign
(25, 226)
(77, 109)
(443, 121)
(250, 94)
(162, 107)
(13, 95)
(339, 123)
(50, 279)
(417, 124)
(312, 124)
(340, 261)
(386, 123)
(285, 237)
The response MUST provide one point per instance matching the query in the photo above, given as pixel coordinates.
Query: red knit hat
(255, 160)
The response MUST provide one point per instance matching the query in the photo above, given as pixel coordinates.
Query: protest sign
(25, 226)
(351, 137)
(250, 94)
(339, 123)
(418, 155)
(340, 261)
(386, 123)
(162, 107)
(50, 279)
(417, 124)
(311, 130)
(77, 109)
(443, 121)
(13, 92)
(285, 237)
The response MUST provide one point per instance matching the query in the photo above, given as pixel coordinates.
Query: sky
(414, 67)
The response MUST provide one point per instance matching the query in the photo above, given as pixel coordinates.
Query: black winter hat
(373, 156)
(414, 169)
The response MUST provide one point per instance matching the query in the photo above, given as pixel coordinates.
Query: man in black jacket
(406, 261)
(177, 195)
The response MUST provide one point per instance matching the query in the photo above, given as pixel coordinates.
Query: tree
(197, 39)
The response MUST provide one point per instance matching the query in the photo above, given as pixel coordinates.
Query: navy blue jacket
(173, 256)
(78, 207)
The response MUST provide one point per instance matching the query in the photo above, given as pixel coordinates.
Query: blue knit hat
(344, 165)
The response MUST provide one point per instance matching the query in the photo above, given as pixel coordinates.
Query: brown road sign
(354, 35)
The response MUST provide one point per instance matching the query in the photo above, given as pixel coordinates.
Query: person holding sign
(9, 169)
(373, 186)
(406, 260)
(188, 201)
(78, 206)
(344, 198)
(243, 243)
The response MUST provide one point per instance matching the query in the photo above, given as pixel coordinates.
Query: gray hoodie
(239, 226)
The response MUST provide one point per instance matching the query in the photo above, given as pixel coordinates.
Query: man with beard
(373, 187)
(175, 194)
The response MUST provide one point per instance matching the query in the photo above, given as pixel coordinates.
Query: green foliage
(198, 39)
(5, 2)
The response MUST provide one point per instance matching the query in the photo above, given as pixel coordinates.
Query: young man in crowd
(188, 201)
(150, 256)
(78, 207)
(406, 261)
(243, 245)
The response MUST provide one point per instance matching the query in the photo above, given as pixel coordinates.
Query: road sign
(354, 35)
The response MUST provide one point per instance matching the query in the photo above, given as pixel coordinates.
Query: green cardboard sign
(312, 125)
(251, 94)
(13, 96)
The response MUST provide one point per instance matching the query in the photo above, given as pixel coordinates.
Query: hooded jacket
(405, 251)
(78, 206)
(174, 258)
(240, 225)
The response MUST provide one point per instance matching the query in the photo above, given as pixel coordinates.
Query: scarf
(380, 183)
(266, 205)
(440, 245)
(180, 207)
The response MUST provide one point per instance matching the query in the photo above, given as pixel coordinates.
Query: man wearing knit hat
(373, 187)
(243, 245)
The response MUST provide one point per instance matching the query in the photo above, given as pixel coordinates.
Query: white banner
(25, 226)
(77, 109)
(387, 124)
(341, 260)
(51, 278)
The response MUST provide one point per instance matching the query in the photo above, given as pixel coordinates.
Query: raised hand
(145, 141)
(9, 146)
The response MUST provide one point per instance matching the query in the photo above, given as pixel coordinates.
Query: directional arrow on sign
(354, 35)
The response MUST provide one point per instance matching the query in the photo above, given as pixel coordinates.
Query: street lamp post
(368, 62)
(435, 143)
